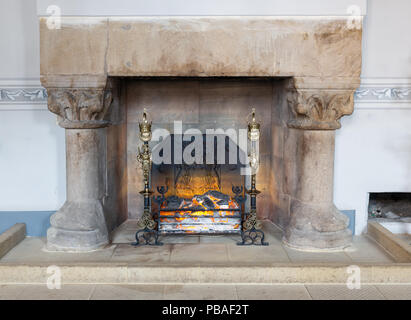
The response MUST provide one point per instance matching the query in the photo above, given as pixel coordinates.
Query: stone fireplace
(300, 73)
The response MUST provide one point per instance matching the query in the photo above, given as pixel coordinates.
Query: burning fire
(195, 215)
(195, 203)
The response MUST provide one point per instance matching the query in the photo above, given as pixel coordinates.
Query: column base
(317, 241)
(75, 241)
(317, 227)
(78, 226)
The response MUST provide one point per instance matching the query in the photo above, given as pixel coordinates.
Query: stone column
(80, 224)
(315, 222)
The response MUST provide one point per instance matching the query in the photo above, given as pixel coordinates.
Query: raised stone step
(111, 273)
(11, 237)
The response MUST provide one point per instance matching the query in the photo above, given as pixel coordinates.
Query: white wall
(32, 164)
(373, 154)
(32, 169)
(372, 149)
(19, 45)
(387, 42)
(200, 7)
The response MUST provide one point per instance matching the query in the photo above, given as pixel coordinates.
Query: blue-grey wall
(37, 222)
(351, 215)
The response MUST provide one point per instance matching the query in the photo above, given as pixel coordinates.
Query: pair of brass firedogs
(148, 233)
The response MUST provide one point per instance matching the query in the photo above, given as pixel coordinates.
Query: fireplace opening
(205, 197)
(201, 104)
(390, 205)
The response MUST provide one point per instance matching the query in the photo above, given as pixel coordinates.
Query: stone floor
(406, 237)
(182, 251)
(205, 292)
(199, 250)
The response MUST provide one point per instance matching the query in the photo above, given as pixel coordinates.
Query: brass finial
(145, 126)
(253, 126)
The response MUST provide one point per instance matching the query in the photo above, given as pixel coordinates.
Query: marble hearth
(299, 72)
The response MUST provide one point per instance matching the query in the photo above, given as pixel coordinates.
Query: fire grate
(211, 212)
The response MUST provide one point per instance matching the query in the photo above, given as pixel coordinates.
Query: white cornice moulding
(374, 93)
(17, 94)
(19, 82)
(203, 7)
(385, 81)
(24, 107)
(384, 90)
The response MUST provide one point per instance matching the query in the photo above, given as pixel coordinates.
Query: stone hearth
(201, 260)
(306, 67)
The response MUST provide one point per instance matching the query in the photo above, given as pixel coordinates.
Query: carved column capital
(319, 109)
(80, 108)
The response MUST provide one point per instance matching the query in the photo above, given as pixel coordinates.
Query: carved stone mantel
(318, 59)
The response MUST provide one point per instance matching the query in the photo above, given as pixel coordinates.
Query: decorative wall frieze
(23, 95)
(363, 94)
(27, 94)
(83, 108)
(318, 109)
(383, 94)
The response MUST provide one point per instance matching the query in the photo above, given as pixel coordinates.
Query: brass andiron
(251, 233)
(148, 232)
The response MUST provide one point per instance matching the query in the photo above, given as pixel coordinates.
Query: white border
(202, 7)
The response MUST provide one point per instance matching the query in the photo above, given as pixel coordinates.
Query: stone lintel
(320, 46)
